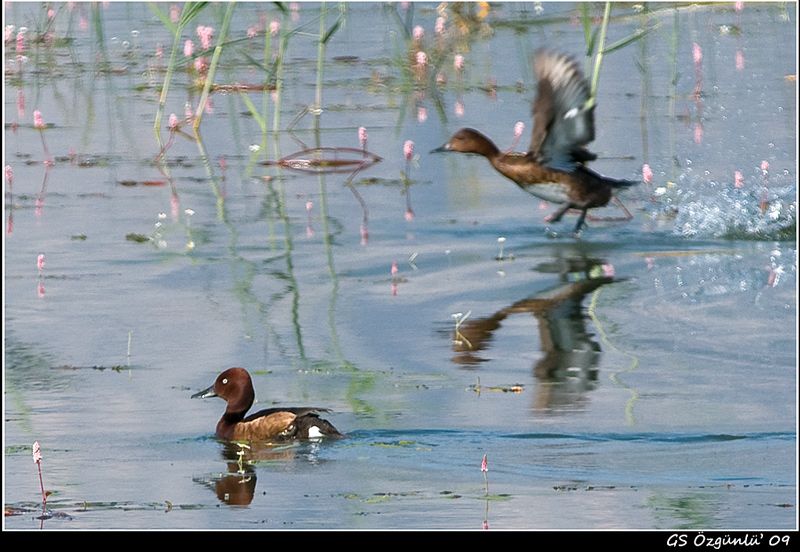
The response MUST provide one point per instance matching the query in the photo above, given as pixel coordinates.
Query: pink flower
(422, 114)
(395, 270)
(294, 7)
(188, 48)
(20, 42)
(409, 215)
(458, 108)
(647, 173)
(439, 26)
(38, 121)
(37, 452)
(738, 179)
(173, 121)
(422, 59)
(205, 34)
(9, 175)
(738, 6)
(458, 62)
(764, 165)
(362, 137)
(252, 31)
(51, 13)
(201, 65)
(174, 13)
(739, 60)
(485, 464)
(40, 262)
(608, 270)
(698, 133)
(309, 205)
(697, 53)
(159, 51)
(8, 35)
(418, 33)
(274, 27)
(519, 128)
(408, 149)
(174, 206)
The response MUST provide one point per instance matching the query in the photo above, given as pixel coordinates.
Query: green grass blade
(627, 40)
(163, 17)
(253, 111)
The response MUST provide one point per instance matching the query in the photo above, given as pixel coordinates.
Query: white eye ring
(225, 380)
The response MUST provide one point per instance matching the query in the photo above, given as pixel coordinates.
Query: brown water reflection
(568, 365)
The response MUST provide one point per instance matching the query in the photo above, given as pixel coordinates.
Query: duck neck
(236, 410)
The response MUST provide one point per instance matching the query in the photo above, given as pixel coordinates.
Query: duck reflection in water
(237, 487)
(570, 354)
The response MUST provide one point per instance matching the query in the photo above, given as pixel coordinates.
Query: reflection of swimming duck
(570, 354)
(554, 167)
(235, 386)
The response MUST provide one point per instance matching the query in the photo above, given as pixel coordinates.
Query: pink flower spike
(458, 62)
(159, 51)
(362, 137)
(174, 206)
(697, 53)
(188, 48)
(458, 108)
(438, 27)
(738, 179)
(205, 34)
(409, 215)
(9, 175)
(738, 6)
(201, 65)
(174, 13)
(698, 133)
(8, 34)
(395, 270)
(608, 270)
(38, 121)
(764, 165)
(647, 173)
(173, 121)
(309, 205)
(51, 13)
(40, 262)
(252, 31)
(418, 33)
(274, 27)
(20, 42)
(485, 464)
(37, 452)
(422, 59)
(519, 127)
(408, 149)
(422, 114)
(739, 60)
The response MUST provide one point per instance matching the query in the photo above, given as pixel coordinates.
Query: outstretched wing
(562, 122)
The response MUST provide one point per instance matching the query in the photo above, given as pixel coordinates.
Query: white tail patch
(314, 432)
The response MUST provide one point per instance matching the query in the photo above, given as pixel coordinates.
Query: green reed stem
(212, 70)
(598, 60)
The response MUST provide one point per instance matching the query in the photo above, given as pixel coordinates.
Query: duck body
(554, 168)
(271, 424)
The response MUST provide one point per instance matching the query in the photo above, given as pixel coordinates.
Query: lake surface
(642, 376)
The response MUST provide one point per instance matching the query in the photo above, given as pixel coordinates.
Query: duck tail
(620, 183)
(311, 426)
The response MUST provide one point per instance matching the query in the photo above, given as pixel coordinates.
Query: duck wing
(297, 411)
(562, 122)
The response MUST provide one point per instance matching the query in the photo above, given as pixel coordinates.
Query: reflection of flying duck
(568, 366)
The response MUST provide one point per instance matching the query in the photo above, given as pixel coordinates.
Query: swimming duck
(554, 167)
(236, 387)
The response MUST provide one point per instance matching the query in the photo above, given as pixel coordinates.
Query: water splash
(702, 208)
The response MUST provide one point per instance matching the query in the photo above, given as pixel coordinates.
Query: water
(641, 377)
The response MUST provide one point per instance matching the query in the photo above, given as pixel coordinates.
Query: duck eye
(224, 381)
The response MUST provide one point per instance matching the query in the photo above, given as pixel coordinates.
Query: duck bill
(441, 149)
(205, 393)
